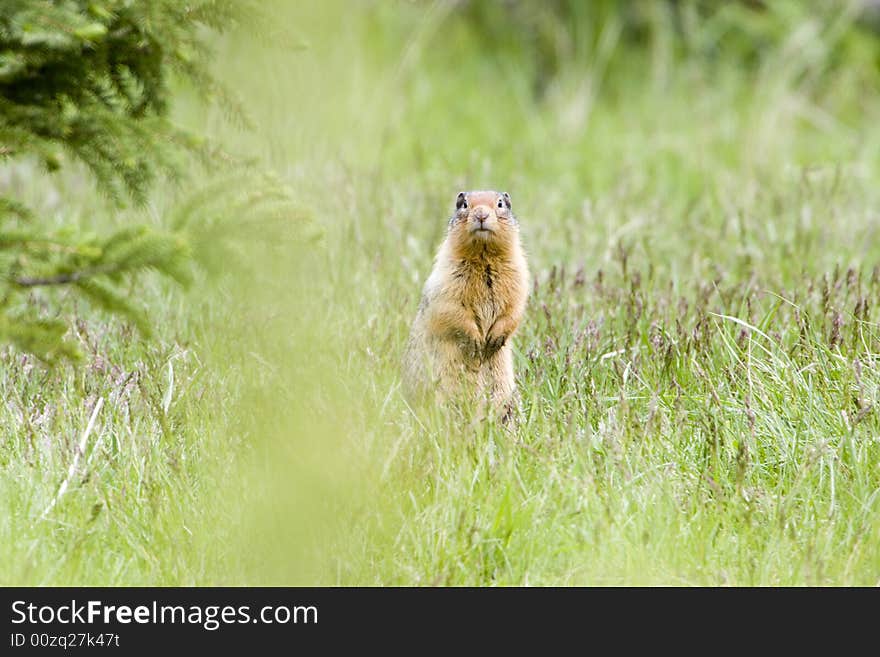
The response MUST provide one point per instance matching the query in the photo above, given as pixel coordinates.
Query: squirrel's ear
(460, 201)
(506, 199)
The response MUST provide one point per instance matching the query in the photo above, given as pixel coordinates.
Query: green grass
(699, 364)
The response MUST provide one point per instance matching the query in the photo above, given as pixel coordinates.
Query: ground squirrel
(471, 305)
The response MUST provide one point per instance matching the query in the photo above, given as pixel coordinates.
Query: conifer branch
(89, 81)
(65, 278)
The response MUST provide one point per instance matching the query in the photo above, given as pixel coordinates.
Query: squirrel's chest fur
(481, 288)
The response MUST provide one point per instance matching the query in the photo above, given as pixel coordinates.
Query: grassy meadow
(699, 366)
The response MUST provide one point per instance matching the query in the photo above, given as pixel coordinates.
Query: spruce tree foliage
(89, 81)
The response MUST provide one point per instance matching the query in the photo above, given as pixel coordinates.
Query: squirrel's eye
(461, 202)
(501, 203)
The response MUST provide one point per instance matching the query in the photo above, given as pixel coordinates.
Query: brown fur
(472, 304)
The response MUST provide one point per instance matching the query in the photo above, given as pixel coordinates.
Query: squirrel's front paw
(471, 348)
(493, 344)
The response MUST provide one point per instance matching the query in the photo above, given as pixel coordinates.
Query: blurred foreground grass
(698, 365)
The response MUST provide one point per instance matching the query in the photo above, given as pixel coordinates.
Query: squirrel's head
(483, 219)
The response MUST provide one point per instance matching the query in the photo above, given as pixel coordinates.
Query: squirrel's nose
(481, 213)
